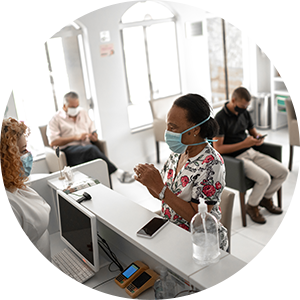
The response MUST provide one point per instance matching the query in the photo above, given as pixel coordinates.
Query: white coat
(25, 260)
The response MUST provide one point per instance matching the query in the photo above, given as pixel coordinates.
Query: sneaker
(269, 205)
(253, 212)
(126, 177)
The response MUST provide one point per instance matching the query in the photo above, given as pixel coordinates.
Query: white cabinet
(279, 93)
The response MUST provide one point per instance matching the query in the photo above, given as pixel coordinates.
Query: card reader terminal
(130, 273)
(141, 283)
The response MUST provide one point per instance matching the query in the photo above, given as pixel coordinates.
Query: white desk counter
(172, 247)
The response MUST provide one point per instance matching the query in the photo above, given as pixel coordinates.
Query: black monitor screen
(76, 228)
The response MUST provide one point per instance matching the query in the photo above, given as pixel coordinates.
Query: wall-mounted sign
(107, 50)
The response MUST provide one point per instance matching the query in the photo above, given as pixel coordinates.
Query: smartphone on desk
(153, 227)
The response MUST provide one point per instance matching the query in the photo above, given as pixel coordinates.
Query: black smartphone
(152, 227)
(261, 137)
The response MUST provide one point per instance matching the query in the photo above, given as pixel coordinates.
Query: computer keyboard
(68, 262)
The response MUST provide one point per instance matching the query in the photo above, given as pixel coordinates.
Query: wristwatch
(162, 193)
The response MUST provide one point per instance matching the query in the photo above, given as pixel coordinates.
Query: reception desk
(120, 218)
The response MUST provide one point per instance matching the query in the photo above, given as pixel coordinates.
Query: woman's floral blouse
(203, 176)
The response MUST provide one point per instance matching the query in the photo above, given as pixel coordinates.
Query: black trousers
(80, 154)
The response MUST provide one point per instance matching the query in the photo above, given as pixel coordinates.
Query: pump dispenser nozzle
(202, 207)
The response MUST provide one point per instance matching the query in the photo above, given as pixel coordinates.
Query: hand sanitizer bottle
(205, 237)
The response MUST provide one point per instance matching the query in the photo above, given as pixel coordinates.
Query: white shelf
(287, 80)
(278, 88)
(287, 92)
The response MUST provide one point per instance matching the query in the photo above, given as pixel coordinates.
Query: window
(225, 58)
(151, 60)
(58, 68)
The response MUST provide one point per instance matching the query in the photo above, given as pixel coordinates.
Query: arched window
(226, 24)
(148, 33)
(45, 58)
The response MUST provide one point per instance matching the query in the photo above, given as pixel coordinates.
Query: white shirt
(25, 260)
(61, 125)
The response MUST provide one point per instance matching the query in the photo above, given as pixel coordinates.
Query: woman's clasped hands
(149, 176)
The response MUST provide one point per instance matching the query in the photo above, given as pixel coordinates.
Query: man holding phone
(74, 132)
(234, 120)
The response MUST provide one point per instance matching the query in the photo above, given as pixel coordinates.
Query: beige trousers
(259, 168)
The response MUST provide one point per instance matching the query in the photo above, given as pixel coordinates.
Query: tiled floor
(248, 241)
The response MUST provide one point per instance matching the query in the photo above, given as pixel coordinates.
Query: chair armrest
(52, 161)
(236, 179)
(294, 133)
(102, 146)
(272, 150)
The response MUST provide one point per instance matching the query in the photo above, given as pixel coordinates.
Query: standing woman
(194, 169)
(25, 261)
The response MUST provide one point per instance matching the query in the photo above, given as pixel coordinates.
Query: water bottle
(205, 237)
(164, 287)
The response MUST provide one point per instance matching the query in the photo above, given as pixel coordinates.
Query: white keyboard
(68, 262)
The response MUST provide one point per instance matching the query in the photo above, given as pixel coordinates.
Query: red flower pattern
(170, 174)
(208, 159)
(218, 185)
(209, 190)
(184, 180)
(168, 213)
(211, 187)
(184, 226)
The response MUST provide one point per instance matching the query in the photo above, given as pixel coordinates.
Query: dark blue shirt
(233, 127)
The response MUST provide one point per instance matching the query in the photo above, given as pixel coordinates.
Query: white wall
(109, 92)
(288, 9)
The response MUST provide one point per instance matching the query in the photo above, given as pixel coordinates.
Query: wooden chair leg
(157, 152)
(279, 194)
(243, 208)
(291, 157)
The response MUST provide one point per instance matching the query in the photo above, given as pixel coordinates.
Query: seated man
(234, 120)
(73, 131)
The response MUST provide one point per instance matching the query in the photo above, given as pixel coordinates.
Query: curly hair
(11, 164)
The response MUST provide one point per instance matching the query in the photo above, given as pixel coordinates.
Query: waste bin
(262, 108)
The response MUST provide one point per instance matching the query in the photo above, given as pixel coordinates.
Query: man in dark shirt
(234, 120)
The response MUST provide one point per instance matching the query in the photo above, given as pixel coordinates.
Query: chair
(236, 178)
(160, 108)
(51, 158)
(293, 129)
(226, 206)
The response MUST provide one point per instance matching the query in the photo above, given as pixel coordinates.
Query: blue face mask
(173, 139)
(27, 161)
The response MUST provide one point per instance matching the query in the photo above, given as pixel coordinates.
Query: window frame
(243, 12)
(144, 24)
(69, 31)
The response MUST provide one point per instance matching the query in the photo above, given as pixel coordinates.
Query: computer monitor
(78, 229)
